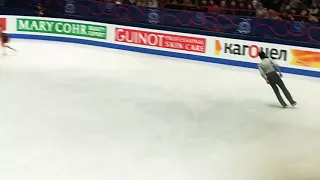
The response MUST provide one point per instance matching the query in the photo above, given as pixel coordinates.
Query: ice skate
(293, 103)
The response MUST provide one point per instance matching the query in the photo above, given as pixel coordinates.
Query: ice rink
(76, 112)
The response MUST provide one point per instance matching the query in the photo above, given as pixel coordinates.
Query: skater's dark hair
(262, 55)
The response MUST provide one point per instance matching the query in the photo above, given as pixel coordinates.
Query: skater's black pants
(276, 81)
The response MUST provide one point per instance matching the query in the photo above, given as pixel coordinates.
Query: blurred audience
(292, 10)
(39, 9)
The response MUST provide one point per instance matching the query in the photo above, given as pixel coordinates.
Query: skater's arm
(263, 74)
(275, 65)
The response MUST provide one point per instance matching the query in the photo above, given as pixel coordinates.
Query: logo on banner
(88, 30)
(217, 47)
(69, 7)
(249, 50)
(3, 23)
(161, 40)
(305, 58)
(244, 27)
(153, 16)
(199, 17)
(297, 27)
(109, 7)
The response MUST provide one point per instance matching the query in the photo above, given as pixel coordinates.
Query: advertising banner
(248, 51)
(161, 40)
(69, 28)
(305, 58)
(3, 23)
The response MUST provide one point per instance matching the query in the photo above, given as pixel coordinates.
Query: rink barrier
(203, 32)
(163, 53)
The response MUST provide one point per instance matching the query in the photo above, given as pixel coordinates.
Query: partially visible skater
(4, 41)
(268, 72)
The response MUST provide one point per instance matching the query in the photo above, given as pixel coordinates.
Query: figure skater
(267, 71)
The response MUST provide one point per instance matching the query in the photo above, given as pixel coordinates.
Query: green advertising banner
(62, 27)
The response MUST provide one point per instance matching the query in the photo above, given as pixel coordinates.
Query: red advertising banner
(170, 41)
(3, 23)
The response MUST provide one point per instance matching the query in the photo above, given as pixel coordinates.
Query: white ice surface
(75, 112)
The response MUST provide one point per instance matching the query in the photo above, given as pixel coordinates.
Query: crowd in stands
(292, 10)
(296, 10)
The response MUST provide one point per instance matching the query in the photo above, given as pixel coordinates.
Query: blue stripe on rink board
(163, 53)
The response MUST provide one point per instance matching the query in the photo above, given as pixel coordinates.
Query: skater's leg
(4, 46)
(277, 92)
(10, 48)
(272, 77)
(285, 91)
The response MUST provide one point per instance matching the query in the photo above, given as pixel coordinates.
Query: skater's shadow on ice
(8, 55)
(277, 106)
(274, 106)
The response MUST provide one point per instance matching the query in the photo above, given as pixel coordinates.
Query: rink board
(294, 60)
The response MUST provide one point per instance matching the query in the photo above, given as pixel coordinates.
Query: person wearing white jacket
(267, 71)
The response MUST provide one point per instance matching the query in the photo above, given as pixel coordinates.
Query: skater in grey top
(267, 70)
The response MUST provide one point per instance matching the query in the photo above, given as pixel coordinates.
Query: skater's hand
(267, 81)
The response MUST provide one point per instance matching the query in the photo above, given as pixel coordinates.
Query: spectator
(152, 3)
(314, 10)
(203, 3)
(40, 9)
(174, 2)
(266, 13)
(282, 8)
(304, 16)
(187, 2)
(212, 6)
(293, 12)
(261, 12)
(287, 9)
(251, 11)
(274, 15)
(313, 19)
(130, 2)
(141, 3)
(257, 4)
(223, 7)
(233, 4)
(212, 3)
(189, 6)
(295, 3)
(118, 1)
(304, 13)
(242, 9)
